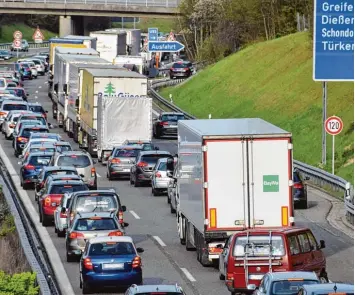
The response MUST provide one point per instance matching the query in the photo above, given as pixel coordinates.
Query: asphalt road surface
(165, 260)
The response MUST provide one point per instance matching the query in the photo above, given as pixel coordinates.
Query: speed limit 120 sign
(333, 125)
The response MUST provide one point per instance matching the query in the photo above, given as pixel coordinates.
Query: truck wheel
(324, 277)
(222, 277)
(172, 210)
(188, 245)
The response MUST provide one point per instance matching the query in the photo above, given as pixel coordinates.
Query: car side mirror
(124, 208)
(322, 244)
(169, 173)
(251, 287)
(46, 112)
(219, 246)
(125, 224)
(94, 161)
(82, 175)
(140, 250)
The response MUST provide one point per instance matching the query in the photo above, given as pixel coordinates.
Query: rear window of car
(289, 287)
(79, 161)
(97, 203)
(60, 172)
(152, 159)
(112, 248)
(2, 83)
(15, 119)
(37, 118)
(27, 131)
(42, 149)
(63, 148)
(95, 224)
(39, 160)
(126, 153)
(14, 106)
(259, 246)
(47, 135)
(162, 166)
(36, 62)
(172, 117)
(36, 109)
(181, 65)
(62, 189)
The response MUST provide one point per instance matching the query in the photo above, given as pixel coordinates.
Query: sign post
(38, 36)
(17, 41)
(333, 126)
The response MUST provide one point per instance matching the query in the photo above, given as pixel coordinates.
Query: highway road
(164, 259)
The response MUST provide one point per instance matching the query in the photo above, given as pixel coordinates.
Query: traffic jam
(254, 251)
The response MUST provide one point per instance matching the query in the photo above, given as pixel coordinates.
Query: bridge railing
(32, 45)
(333, 184)
(127, 3)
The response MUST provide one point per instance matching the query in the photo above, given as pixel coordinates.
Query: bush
(18, 284)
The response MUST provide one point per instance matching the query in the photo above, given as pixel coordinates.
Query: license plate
(126, 170)
(255, 277)
(172, 126)
(54, 204)
(113, 266)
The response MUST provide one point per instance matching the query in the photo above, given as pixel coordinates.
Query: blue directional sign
(165, 46)
(333, 48)
(153, 34)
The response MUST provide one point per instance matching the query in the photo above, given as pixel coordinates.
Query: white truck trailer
(75, 95)
(134, 63)
(110, 44)
(133, 39)
(233, 174)
(125, 111)
(89, 42)
(61, 67)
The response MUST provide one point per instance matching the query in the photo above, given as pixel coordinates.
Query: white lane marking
(188, 275)
(36, 91)
(53, 255)
(39, 87)
(135, 215)
(46, 82)
(160, 241)
(98, 175)
(36, 97)
(155, 113)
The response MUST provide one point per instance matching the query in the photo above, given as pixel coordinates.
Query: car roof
(42, 144)
(62, 143)
(33, 114)
(127, 239)
(71, 153)
(68, 182)
(45, 134)
(329, 287)
(6, 101)
(56, 176)
(157, 288)
(284, 275)
(133, 146)
(139, 140)
(30, 126)
(171, 113)
(60, 168)
(163, 160)
(93, 192)
(41, 154)
(155, 152)
(34, 104)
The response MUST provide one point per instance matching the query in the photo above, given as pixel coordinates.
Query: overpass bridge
(76, 14)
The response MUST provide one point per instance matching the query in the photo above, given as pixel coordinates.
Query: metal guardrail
(318, 177)
(32, 45)
(125, 3)
(28, 236)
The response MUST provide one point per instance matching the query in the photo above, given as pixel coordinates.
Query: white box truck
(89, 42)
(133, 63)
(233, 174)
(126, 115)
(60, 76)
(110, 44)
(133, 39)
(75, 95)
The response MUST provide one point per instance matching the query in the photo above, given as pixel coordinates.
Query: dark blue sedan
(32, 166)
(110, 262)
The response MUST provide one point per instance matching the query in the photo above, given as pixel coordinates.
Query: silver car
(83, 163)
(9, 124)
(90, 225)
(160, 179)
(173, 191)
(11, 105)
(60, 216)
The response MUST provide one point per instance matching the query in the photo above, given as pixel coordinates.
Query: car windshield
(47, 135)
(95, 223)
(79, 161)
(14, 106)
(178, 65)
(153, 159)
(112, 248)
(27, 131)
(96, 204)
(259, 246)
(172, 117)
(62, 189)
(60, 172)
(42, 149)
(36, 62)
(37, 118)
(36, 109)
(289, 287)
(63, 148)
(126, 153)
(24, 123)
(39, 160)
(15, 118)
(2, 83)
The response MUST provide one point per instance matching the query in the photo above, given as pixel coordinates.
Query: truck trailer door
(225, 176)
(269, 181)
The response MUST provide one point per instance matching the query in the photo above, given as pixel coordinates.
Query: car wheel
(172, 210)
(36, 77)
(154, 192)
(137, 184)
(130, 180)
(55, 230)
(323, 278)
(46, 221)
(221, 277)
(71, 259)
(40, 214)
(60, 233)
(304, 204)
(86, 288)
(31, 78)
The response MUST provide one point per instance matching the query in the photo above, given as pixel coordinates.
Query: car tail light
(30, 167)
(76, 235)
(115, 234)
(186, 69)
(12, 125)
(22, 139)
(116, 161)
(2, 113)
(47, 201)
(120, 217)
(71, 216)
(88, 264)
(163, 123)
(157, 175)
(63, 215)
(142, 164)
(136, 262)
(298, 185)
(215, 250)
(172, 69)
(93, 172)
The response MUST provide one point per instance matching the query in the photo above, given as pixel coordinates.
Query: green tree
(110, 89)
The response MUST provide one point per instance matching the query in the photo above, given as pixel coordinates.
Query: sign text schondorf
(110, 91)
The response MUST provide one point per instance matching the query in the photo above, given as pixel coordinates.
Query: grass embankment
(164, 25)
(273, 81)
(7, 32)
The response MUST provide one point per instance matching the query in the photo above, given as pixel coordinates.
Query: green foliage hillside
(273, 80)
(7, 32)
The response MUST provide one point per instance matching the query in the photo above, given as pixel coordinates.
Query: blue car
(330, 288)
(110, 262)
(21, 139)
(46, 135)
(32, 166)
